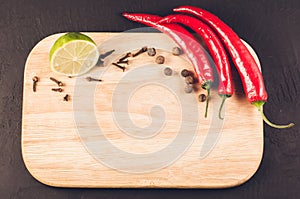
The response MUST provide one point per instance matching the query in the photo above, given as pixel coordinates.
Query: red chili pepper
(250, 74)
(216, 49)
(187, 43)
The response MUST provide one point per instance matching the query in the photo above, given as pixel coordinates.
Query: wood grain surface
(271, 27)
(57, 136)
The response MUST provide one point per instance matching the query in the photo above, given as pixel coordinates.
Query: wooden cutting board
(136, 128)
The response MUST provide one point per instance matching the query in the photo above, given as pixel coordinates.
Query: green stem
(207, 86)
(207, 102)
(224, 97)
(259, 107)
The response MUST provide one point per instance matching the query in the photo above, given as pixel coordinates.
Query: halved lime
(73, 54)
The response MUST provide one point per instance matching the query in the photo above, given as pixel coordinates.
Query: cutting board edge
(49, 183)
(175, 186)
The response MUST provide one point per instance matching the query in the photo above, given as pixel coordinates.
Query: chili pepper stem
(259, 106)
(224, 97)
(207, 102)
(207, 86)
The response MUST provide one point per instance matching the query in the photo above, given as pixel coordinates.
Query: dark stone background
(272, 27)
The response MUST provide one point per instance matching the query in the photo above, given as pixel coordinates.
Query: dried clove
(57, 89)
(123, 62)
(59, 83)
(119, 66)
(93, 79)
(142, 50)
(66, 97)
(160, 59)
(35, 79)
(125, 57)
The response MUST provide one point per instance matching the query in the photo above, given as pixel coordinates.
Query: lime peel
(73, 54)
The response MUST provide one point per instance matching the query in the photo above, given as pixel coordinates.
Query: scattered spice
(59, 83)
(151, 52)
(160, 59)
(202, 98)
(125, 57)
(204, 72)
(176, 51)
(185, 73)
(119, 66)
(189, 80)
(57, 89)
(35, 79)
(168, 71)
(188, 88)
(142, 50)
(90, 79)
(66, 97)
(123, 62)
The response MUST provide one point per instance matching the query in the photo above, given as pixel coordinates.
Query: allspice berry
(202, 98)
(189, 80)
(185, 73)
(160, 59)
(151, 52)
(188, 88)
(176, 51)
(168, 71)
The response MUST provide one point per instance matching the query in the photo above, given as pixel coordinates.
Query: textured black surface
(272, 27)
